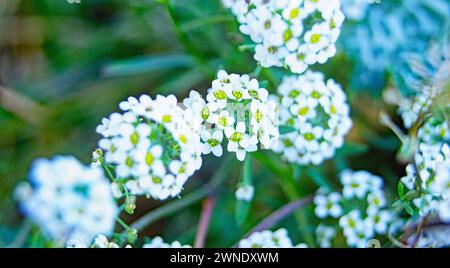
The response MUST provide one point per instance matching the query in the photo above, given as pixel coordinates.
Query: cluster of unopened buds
(295, 33)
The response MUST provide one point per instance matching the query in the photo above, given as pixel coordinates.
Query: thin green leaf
(148, 63)
(351, 149)
(243, 207)
(317, 177)
(285, 129)
(401, 190)
(203, 21)
(409, 209)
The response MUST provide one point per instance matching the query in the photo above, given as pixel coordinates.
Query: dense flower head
(68, 200)
(267, 239)
(361, 210)
(433, 166)
(236, 109)
(151, 145)
(295, 33)
(158, 242)
(320, 115)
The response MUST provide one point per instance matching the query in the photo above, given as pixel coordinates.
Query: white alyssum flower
(245, 193)
(158, 242)
(152, 145)
(320, 115)
(68, 200)
(356, 184)
(293, 33)
(267, 239)
(328, 205)
(238, 111)
(433, 164)
(372, 216)
(102, 242)
(428, 81)
(324, 235)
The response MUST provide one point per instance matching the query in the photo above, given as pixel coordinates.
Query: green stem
(124, 225)
(184, 39)
(289, 188)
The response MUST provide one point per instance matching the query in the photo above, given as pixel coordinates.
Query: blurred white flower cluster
(151, 145)
(68, 200)
(433, 164)
(427, 81)
(320, 115)
(100, 241)
(158, 242)
(355, 9)
(268, 239)
(236, 108)
(361, 208)
(292, 33)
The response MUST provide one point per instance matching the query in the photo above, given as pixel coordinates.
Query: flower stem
(187, 200)
(280, 214)
(289, 188)
(205, 218)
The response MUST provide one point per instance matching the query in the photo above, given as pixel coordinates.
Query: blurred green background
(65, 66)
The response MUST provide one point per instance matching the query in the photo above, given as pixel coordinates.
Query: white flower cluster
(236, 108)
(152, 146)
(359, 224)
(100, 241)
(158, 242)
(268, 239)
(409, 108)
(429, 77)
(318, 112)
(293, 33)
(433, 163)
(68, 200)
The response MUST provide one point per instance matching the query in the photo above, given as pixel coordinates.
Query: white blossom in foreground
(293, 33)
(237, 110)
(68, 200)
(152, 146)
(433, 164)
(158, 242)
(267, 239)
(320, 115)
(358, 225)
